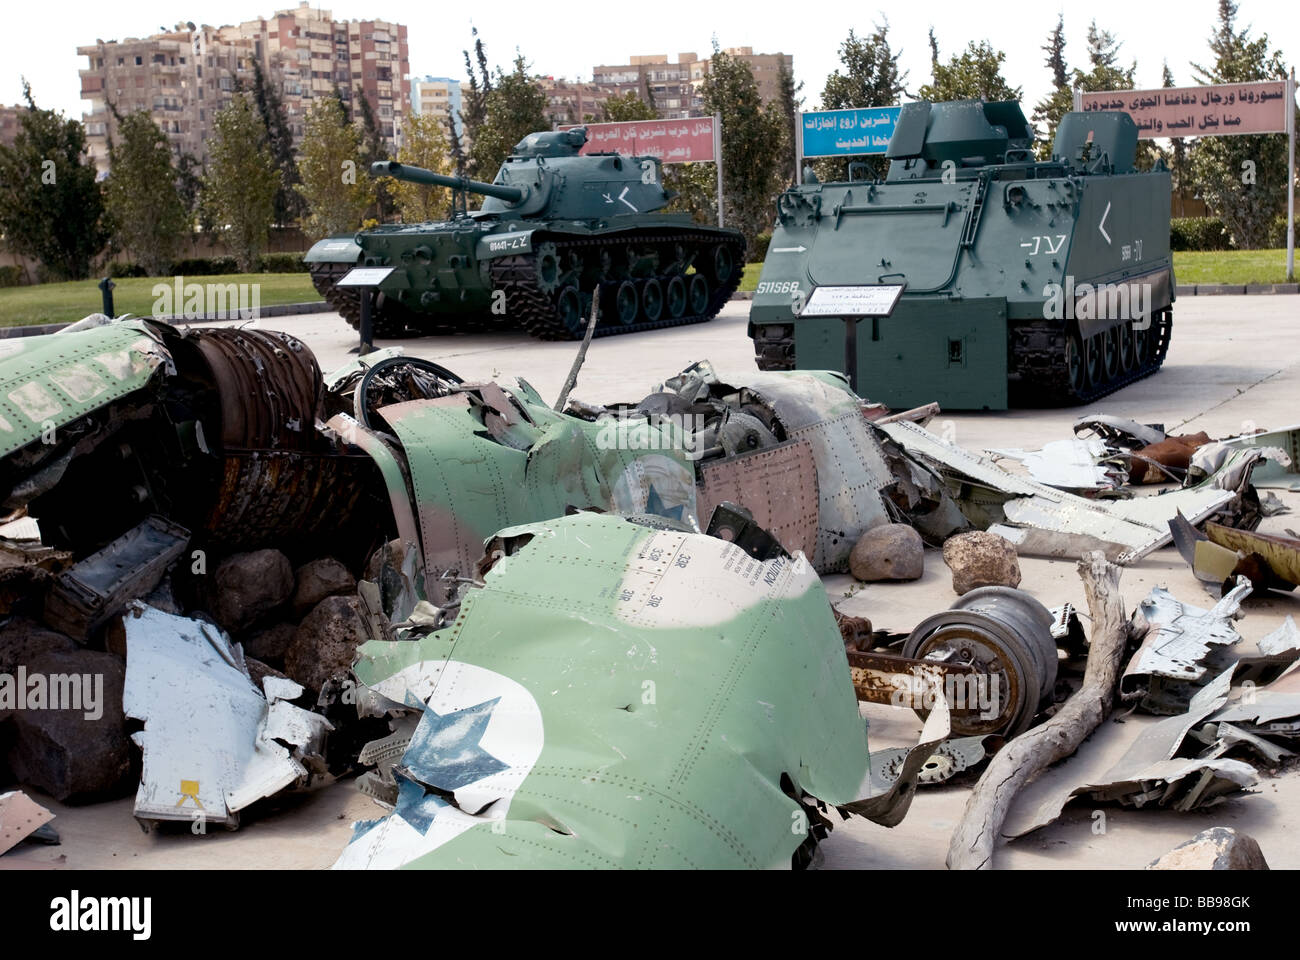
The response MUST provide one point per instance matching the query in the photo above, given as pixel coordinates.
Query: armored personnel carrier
(1042, 283)
(553, 227)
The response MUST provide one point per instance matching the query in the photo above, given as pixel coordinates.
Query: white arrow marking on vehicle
(1102, 226)
(799, 249)
(608, 198)
(623, 196)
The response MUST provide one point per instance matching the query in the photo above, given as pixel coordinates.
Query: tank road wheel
(1092, 359)
(1110, 352)
(548, 268)
(723, 263)
(698, 293)
(1127, 349)
(652, 300)
(1141, 345)
(1074, 362)
(675, 296)
(568, 310)
(625, 303)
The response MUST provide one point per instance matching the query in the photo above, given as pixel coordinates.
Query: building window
(139, 61)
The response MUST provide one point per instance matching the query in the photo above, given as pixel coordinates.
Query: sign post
(863, 131)
(1290, 178)
(367, 281)
(851, 304)
(798, 150)
(1213, 110)
(717, 159)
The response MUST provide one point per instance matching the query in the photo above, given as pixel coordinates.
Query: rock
(893, 551)
(981, 559)
(163, 598)
(22, 640)
(272, 643)
(1219, 848)
(64, 752)
(257, 670)
(325, 643)
(319, 579)
(247, 586)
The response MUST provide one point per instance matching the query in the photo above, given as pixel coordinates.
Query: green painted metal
(50, 381)
(618, 697)
(545, 191)
(978, 231)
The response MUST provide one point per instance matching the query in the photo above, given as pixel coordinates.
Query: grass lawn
(1230, 266)
(65, 302)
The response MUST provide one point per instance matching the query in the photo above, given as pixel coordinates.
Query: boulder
(247, 586)
(81, 752)
(21, 640)
(981, 559)
(317, 580)
(1219, 848)
(325, 643)
(893, 551)
(271, 644)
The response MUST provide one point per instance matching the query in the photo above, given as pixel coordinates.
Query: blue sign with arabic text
(845, 133)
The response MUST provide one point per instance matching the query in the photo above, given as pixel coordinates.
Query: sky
(40, 42)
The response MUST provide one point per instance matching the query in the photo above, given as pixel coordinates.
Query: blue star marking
(655, 504)
(445, 753)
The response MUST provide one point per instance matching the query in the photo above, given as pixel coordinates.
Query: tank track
(1038, 363)
(535, 310)
(1043, 376)
(347, 301)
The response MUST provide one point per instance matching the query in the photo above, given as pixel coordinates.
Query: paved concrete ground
(1233, 362)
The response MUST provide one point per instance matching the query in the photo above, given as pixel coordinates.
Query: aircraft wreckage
(589, 637)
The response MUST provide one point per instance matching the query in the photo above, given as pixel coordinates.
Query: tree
(627, 106)
(974, 74)
(869, 77)
(473, 103)
(279, 137)
(1242, 178)
(51, 206)
(1049, 111)
(753, 142)
(1103, 59)
(336, 185)
(789, 101)
(515, 107)
(148, 214)
(372, 149)
(1178, 145)
(242, 180)
(426, 146)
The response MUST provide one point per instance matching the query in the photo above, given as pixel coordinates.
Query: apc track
(1049, 367)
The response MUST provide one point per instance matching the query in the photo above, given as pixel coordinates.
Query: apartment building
(184, 76)
(438, 97)
(675, 85)
(575, 101)
(9, 117)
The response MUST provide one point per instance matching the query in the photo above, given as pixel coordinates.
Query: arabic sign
(671, 141)
(865, 301)
(843, 133)
(1226, 108)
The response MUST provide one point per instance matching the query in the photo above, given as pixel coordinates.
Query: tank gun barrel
(411, 174)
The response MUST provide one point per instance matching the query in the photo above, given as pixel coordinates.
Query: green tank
(554, 226)
(1034, 283)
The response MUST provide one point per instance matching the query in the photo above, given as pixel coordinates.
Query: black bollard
(106, 288)
(367, 337)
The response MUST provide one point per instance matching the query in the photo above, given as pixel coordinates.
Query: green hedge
(215, 266)
(1198, 233)
(11, 276)
(758, 252)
